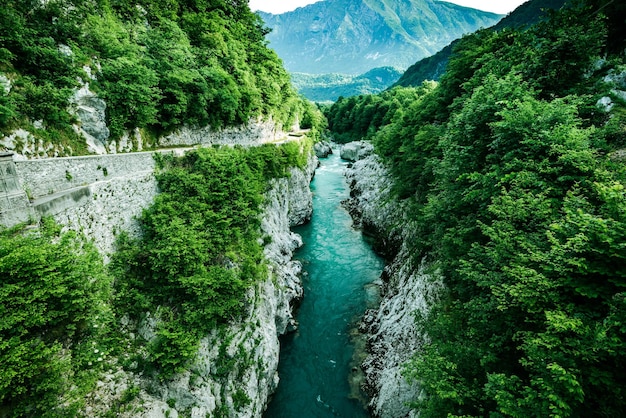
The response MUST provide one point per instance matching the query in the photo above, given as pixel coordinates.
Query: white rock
(605, 104)
(199, 391)
(323, 149)
(616, 78)
(392, 335)
(255, 132)
(5, 83)
(65, 50)
(90, 111)
(354, 151)
(620, 94)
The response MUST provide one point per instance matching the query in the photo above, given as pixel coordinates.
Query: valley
(183, 234)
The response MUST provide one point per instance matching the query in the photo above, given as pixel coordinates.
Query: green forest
(157, 64)
(327, 88)
(515, 179)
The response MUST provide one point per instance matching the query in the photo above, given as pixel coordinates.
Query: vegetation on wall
(54, 308)
(509, 168)
(158, 65)
(199, 253)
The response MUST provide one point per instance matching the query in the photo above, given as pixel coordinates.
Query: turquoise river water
(316, 361)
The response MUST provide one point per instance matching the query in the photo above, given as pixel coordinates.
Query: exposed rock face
(110, 204)
(354, 36)
(90, 111)
(253, 133)
(354, 151)
(5, 83)
(25, 146)
(408, 286)
(616, 81)
(252, 342)
(108, 207)
(301, 198)
(323, 149)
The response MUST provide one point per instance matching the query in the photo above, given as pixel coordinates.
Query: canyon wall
(409, 286)
(235, 370)
(250, 346)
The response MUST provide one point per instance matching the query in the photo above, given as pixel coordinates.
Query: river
(316, 361)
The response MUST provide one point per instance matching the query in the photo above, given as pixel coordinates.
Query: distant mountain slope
(329, 87)
(433, 67)
(354, 36)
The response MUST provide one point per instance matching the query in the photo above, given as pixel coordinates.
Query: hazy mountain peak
(354, 36)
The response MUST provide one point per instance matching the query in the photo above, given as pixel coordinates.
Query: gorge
(155, 170)
(318, 373)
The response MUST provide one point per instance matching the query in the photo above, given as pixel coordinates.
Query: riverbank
(407, 286)
(317, 359)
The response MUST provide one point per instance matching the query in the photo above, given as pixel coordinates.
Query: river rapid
(317, 364)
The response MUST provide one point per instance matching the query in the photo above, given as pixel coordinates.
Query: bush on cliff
(200, 253)
(200, 250)
(53, 303)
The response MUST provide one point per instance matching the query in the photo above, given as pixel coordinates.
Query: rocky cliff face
(250, 346)
(408, 286)
(235, 370)
(354, 36)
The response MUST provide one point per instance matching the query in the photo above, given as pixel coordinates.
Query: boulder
(323, 149)
(605, 104)
(354, 151)
(90, 111)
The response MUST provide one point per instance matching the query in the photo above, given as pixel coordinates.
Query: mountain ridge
(354, 36)
(433, 67)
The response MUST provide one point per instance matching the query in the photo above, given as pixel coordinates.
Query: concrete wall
(96, 195)
(14, 204)
(48, 176)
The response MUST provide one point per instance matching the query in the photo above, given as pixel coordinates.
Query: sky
(281, 6)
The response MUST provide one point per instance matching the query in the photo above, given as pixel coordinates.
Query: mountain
(329, 87)
(433, 67)
(354, 36)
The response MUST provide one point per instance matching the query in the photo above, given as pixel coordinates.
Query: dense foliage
(509, 168)
(158, 65)
(360, 117)
(200, 252)
(433, 67)
(329, 87)
(53, 296)
(64, 320)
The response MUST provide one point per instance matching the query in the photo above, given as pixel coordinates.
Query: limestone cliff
(408, 286)
(235, 370)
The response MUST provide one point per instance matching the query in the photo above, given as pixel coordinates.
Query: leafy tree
(507, 181)
(159, 65)
(52, 289)
(131, 90)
